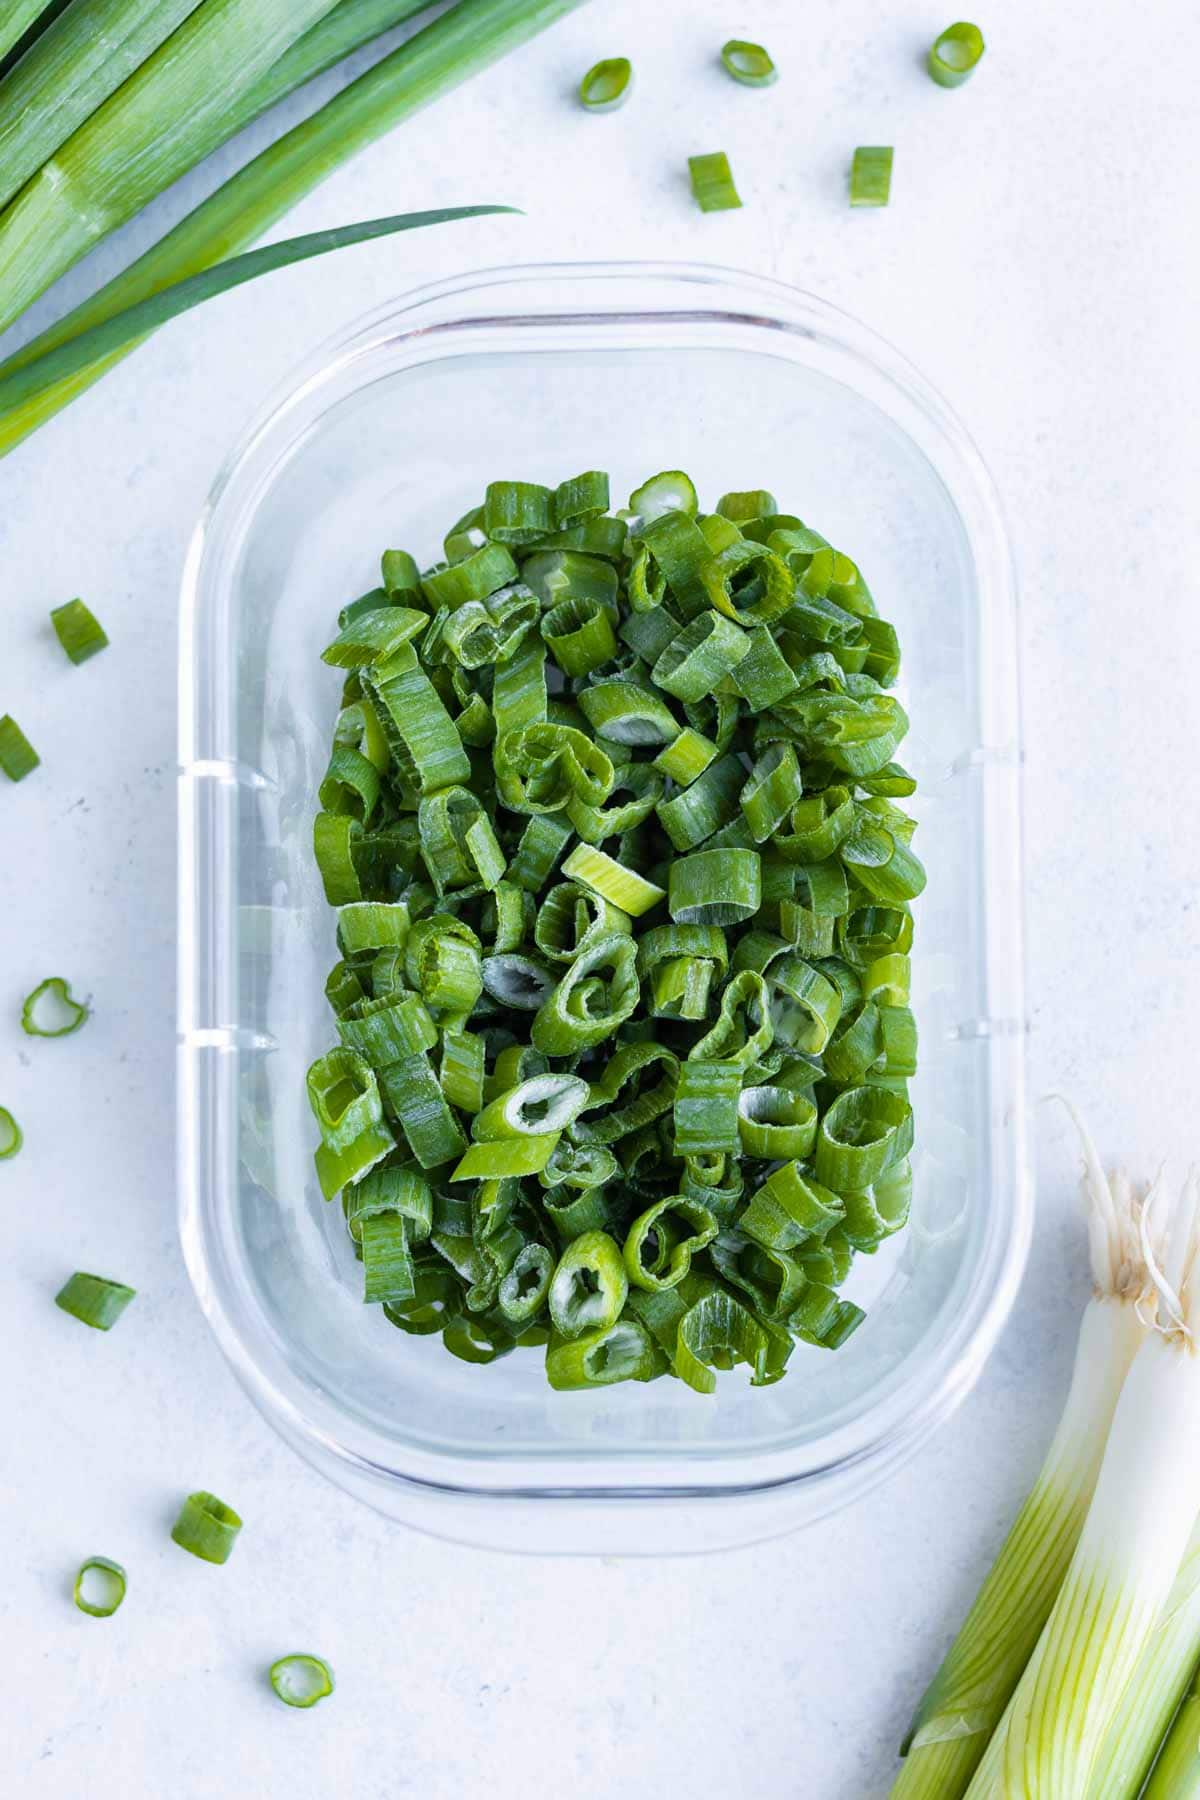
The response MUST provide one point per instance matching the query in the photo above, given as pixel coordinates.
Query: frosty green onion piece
(712, 182)
(99, 1587)
(11, 1135)
(78, 630)
(93, 1300)
(954, 56)
(607, 84)
(748, 63)
(17, 755)
(871, 175)
(301, 1680)
(621, 887)
(206, 1528)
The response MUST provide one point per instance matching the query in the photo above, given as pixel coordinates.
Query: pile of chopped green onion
(623, 913)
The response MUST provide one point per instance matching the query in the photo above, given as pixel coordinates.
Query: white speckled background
(1039, 262)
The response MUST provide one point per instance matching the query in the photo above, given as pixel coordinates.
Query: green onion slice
(712, 182)
(752, 66)
(17, 755)
(99, 1587)
(206, 1528)
(607, 84)
(11, 1135)
(954, 55)
(94, 1300)
(301, 1679)
(78, 631)
(871, 175)
(51, 1011)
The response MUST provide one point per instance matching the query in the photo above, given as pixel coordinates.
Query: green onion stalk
(1177, 1772)
(19, 17)
(1154, 1693)
(161, 122)
(468, 38)
(965, 1701)
(1050, 1743)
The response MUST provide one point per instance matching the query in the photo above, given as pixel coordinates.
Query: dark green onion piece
(871, 175)
(607, 84)
(17, 755)
(750, 64)
(78, 630)
(712, 182)
(206, 1527)
(954, 55)
(99, 1587)
(301, 1679)
(93, 1300)
(11, 1135)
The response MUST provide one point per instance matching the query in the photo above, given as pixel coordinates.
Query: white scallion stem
(1129, 1553)
(966, 1699)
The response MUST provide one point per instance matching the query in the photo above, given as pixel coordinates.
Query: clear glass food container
(382, 438)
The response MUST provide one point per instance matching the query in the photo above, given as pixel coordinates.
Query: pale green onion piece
(51, 1010)
(93, 1300)
(871, 175)
(750, 64)
(18, 758)
(589, 1285)
(670, 491)
(301, 1680)
(78, 631)
(620, 887)
(206, 1528)
(712, 182)
(11, 1135)
(964, 1704)
(607, 84)
(99, 1587)
(954, 56)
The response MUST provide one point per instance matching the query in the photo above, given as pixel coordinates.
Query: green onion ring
(954, 55)
(301, 1679)
(607, 84)
(206, 1528)
(75, 1012)
(93, 1300)
(752, 66)
(105, 1576)
(11, 1135)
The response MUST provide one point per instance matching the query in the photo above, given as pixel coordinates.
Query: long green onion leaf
(748, 63)
(871, 175)
(18, 758)
(11, 1135)
(954, 56)
(75, 64)
(18, 18)
(455, 46)
(102, 341)
(206, 1528)
(965, 1702)
(78, 630)
(93, 1300)
(100, 1587)
(350, 25)
(301, 1680)
(712, 182)
(163, 120)
(607, 85)
(51, 1010)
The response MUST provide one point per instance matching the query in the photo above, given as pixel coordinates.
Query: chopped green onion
(206, 1528)
(301, 1680)
(93, 1300)
(750, 64)
(954, 55)
(51, 1011)
(11, 1135)
(17, 755)
(712, 182)
(78, 631)
(871, 175)
(623, 932)
(99, 1587)
(607, 84)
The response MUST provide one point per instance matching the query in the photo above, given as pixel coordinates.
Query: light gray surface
(1038, 262)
